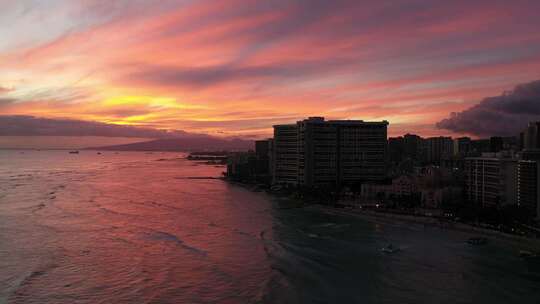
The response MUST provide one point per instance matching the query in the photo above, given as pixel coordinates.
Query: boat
(477, 241)
(390, 249)
(73, 152)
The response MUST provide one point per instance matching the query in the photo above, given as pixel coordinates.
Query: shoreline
(378, 217)
(528, 243)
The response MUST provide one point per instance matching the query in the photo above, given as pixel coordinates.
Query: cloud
(236, 66)
(505, 115)
(231, 72)
(6, 101)
(22, 125)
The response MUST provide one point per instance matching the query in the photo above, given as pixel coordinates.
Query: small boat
(390, 249)
(73, 152)
(477, 241)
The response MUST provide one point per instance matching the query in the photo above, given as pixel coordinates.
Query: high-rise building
(412, 146)
(271, 156)
(528, 185)
(317, 152)
(396, 149)
(531, 142)
(262, 150)
(531, 136)
(333, 152)
(495, 144)
(490, 180)
(285, 154)
(462, 145)
(437, 148)
(479, 146)
(362, 151)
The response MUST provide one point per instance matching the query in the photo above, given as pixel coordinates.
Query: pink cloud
(413, 61)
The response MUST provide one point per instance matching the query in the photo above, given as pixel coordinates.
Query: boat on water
(477, 241)
(390, 249)
(73, 152)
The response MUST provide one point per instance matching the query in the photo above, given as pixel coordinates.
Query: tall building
(262, 150)
(412, 146)
(317, 152)
(362, 149)
(396, 149)
(333, 152)
(285, 154)
(271, 160)
(495, 144)
(528, 185)
(479, 146)
(531, 136)
(490, 181)
(462, 145)
(531, 142)
(437, 148)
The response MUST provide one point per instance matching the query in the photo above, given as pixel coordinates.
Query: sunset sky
(235, 68)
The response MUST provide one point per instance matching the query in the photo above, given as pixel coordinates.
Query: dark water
(151, 228)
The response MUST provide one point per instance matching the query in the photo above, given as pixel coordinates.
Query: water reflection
(154, 228)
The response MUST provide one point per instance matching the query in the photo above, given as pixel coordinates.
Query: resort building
(315, 152)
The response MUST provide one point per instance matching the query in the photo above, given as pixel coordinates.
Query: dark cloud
(19, 125)
(208, 76)
(505, 115)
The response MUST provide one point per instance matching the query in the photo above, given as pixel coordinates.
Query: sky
(236, 67)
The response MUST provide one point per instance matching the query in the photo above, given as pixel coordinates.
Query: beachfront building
(490, 180)
(528, 185)
(329, 153)
(285, 155)
(362, 146)
(317, 152)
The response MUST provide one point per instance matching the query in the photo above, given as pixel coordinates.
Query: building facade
(285, 154)
(362, 151)
(490, 181)
(317, 152)
(462, 145)
(531, 136)
(314, 152)
(437, 148)
(528, 185)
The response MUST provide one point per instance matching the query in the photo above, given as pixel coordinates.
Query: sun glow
(149, 101)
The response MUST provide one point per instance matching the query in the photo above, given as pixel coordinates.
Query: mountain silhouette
(186, 144)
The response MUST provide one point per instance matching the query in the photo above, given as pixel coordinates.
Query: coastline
(385, 217)
(527, 243)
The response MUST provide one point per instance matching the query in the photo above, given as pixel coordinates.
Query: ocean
(135, 227)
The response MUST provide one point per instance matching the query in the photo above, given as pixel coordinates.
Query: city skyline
(269, 151)
(236, 68)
